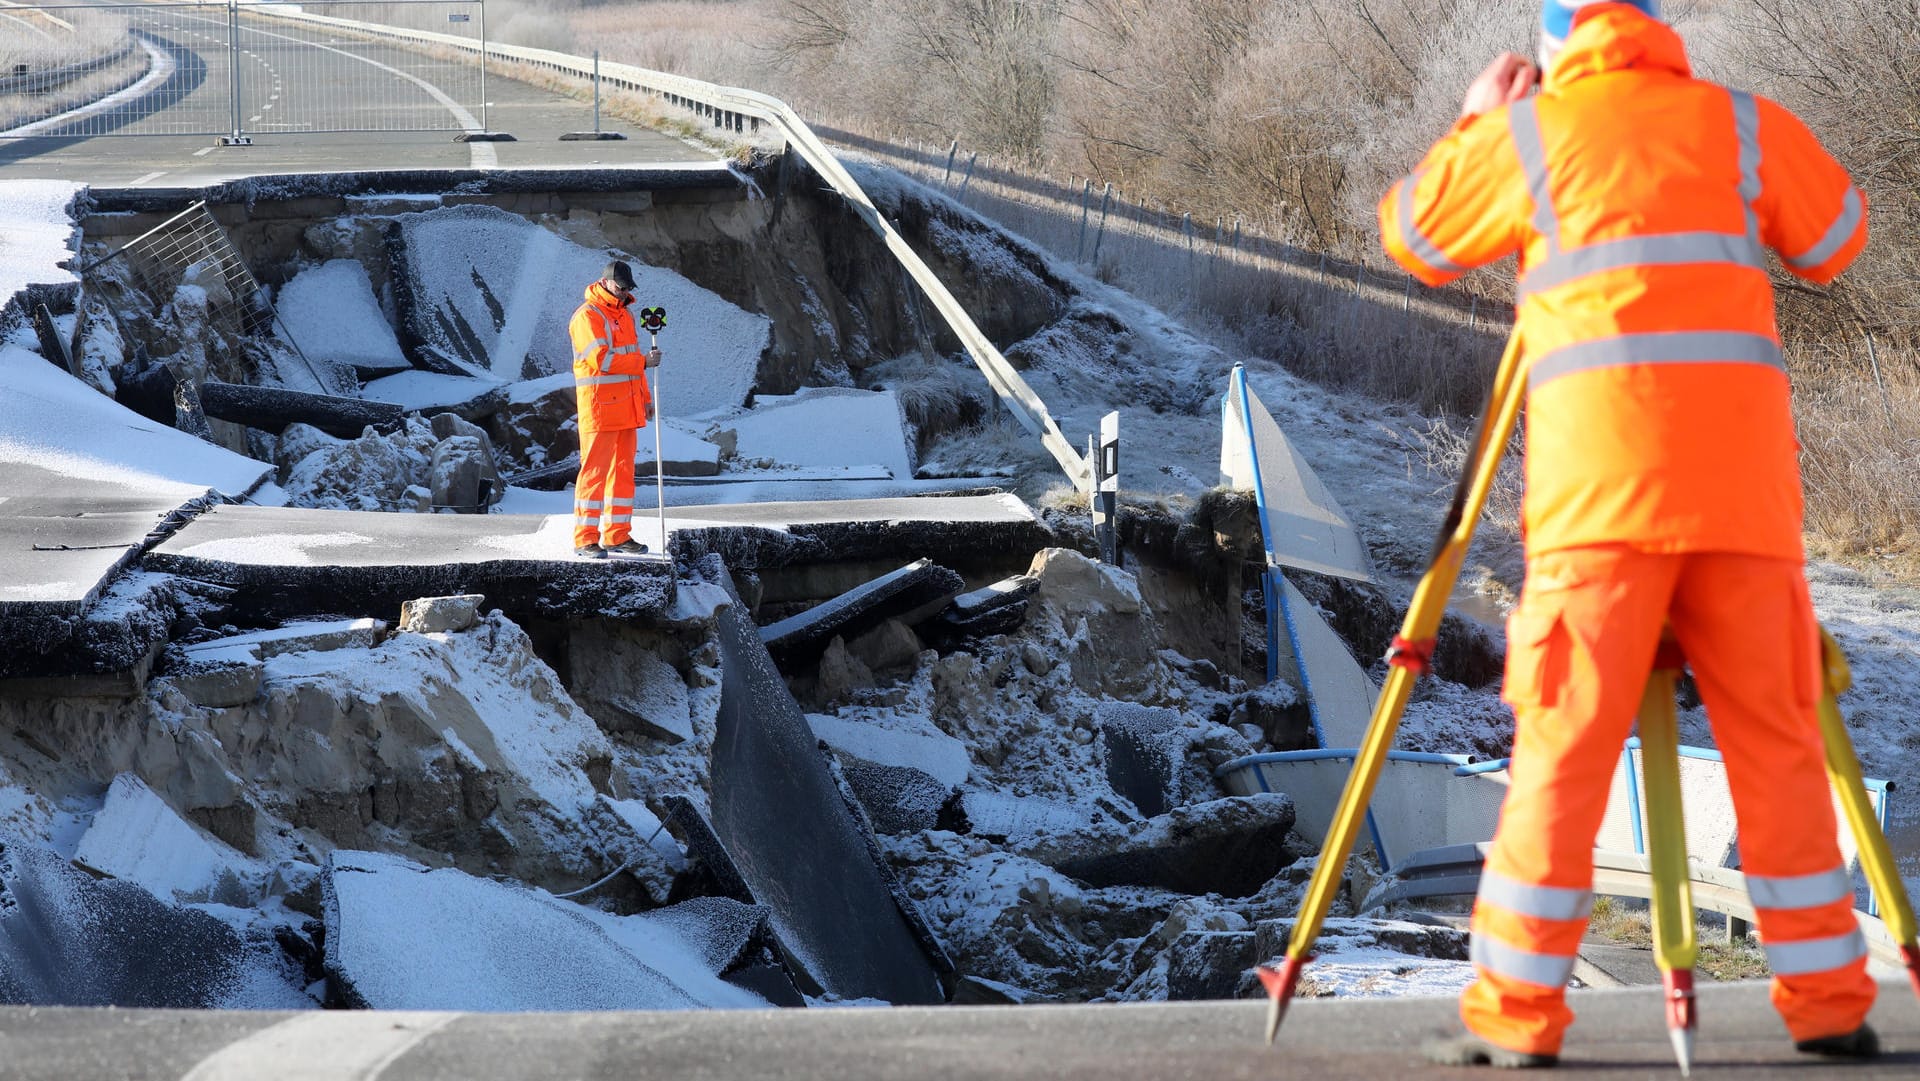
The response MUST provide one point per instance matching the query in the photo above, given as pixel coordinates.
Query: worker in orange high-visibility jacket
(1662, 488)
(610, 387)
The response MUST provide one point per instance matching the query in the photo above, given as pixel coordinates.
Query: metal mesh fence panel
(304, 69)
(236, 69)
(145, 69)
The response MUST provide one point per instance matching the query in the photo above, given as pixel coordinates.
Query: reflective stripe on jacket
(1640, 200)
(609, 364)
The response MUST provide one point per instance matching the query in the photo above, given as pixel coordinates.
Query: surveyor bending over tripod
(1662, 488)
(610, 386)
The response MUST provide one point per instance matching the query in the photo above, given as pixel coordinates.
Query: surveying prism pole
(655, 320)
(1106, 488)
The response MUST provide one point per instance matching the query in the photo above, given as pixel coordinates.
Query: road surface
(291, 81)
(1619, 1036)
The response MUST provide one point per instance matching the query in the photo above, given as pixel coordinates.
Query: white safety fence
(1428, 802)
(234, 69)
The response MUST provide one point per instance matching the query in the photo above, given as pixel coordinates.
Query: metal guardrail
(40, 81)
(737, 109)
(1454, 871)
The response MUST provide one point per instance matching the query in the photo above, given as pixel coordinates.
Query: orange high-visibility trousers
(604, 487)
(1579, 648)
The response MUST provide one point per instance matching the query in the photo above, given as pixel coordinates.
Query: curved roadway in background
(169, 135)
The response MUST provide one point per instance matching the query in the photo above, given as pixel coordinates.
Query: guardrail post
(1086, 210)
(1104, 453)
(1106, 202)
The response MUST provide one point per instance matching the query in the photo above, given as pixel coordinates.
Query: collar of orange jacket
(599, 294)
(1617, 37)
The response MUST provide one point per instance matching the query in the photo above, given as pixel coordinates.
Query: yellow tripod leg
(1843, 771)
(1409, 659)
(1675, 946)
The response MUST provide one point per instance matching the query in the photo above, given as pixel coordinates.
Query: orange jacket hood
(1617, 37)
(600, 296)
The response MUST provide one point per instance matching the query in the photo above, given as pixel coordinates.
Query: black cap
(619, 274)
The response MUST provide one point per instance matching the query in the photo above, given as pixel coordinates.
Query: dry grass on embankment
(1627, 924)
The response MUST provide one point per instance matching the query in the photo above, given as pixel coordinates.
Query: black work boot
(1471, 1050)
(628, 547)
(1862, 1042)
(590, 551)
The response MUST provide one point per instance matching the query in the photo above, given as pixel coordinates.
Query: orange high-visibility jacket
(609, 366)
(1639, 199)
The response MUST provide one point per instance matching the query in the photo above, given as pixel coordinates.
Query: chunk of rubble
(999, 608)
(440, 615)
(136, 837)
(826, 427)
(300, 636)
(1146, 748)
(68, 938)
(1360, 958)
(801, 638)
(401, 936)
(1229, 846)
(330, 312)
(627, 686)
(897, 799)
(1111, 640)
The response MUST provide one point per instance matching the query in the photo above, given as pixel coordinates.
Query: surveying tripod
(1410, 656)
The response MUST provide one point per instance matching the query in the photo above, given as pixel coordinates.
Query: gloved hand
(653, 358)
(649, 412)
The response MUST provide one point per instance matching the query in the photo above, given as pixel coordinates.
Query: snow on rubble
(493, 294)
(36, 237)
(330, 312)
(406, 937)
(51, 421)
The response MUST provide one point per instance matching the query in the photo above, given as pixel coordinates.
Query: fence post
(953, 150)
(1473, 311)
(1106, 203)
(238, 137)
(1873, 357)
(484, 126)
(1406, 304)
(1186, 226)
(1086, 209)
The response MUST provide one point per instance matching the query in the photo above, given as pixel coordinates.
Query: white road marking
(203, 152)
(254, 119)
(325, 1045)
(480, 155)
(161, 70)
(150, 176)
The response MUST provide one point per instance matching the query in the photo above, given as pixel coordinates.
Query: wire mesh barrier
(1163, 253)
(234, 70)
(191, 249)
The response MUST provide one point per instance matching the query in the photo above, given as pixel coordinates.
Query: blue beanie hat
(1556, 19)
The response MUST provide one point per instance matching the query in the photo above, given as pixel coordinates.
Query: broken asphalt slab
(802, 638)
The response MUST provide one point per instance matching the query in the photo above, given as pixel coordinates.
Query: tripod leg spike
(1280, 983)
(1683, 1016)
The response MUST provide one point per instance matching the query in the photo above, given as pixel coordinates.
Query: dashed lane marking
(150, 176)
(325, 1045)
